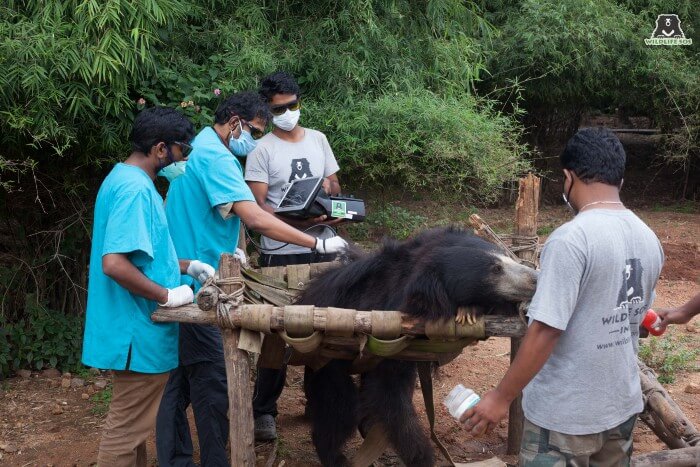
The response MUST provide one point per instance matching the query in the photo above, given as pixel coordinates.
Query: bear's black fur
(429, 276)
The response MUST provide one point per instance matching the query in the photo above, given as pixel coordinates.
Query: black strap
(426, 386)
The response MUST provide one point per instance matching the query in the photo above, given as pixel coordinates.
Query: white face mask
(288, 120)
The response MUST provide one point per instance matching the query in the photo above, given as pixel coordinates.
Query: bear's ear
(425, 295)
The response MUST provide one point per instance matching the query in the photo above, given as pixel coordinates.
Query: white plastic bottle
(459, 400)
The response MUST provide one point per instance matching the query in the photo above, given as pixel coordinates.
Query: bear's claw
(466, 314)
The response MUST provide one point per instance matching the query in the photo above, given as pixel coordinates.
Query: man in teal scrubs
(133, 266)
(204, 207)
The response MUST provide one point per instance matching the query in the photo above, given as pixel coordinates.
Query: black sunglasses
(280, 109)
(186, 148)
(255, 132)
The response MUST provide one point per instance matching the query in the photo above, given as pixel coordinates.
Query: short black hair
(245, 104)
(279, 82)
(595, 155)
(156, 124)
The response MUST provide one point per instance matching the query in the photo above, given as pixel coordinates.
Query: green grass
(83, 372)
(388, 220)
(545, 230)
(668, 356)
(282, 448)
(101, 401)
(683, 207)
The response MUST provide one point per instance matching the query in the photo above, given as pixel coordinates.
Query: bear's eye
(497, 269)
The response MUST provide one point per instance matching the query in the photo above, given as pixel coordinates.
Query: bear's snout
(517, 283)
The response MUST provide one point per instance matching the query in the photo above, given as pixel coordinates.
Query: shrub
(562, 57)
(389, 220)
(43, 338)
(668, 356)
(452, 147)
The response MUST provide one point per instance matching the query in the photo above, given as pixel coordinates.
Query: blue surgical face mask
(172, 171)
(242, 145)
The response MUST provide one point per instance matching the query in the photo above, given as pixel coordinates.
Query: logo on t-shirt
(623, 321)
(631, 290)
(300, 169)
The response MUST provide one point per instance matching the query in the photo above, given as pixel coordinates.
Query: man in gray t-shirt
(276, 162)
(577, 364)
(290, 152)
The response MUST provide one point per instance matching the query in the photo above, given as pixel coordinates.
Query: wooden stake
(526, 209)
(240, 399)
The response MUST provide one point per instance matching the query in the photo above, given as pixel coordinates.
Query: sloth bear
(429, 276)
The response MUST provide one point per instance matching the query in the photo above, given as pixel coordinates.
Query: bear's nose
(533, 277)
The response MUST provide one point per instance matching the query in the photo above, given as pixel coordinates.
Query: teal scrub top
(213, 177)
(129, 219)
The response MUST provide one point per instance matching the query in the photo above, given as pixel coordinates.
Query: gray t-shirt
(597, 280)
(278, 162)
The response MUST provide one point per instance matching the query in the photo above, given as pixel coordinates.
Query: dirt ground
(42, 423)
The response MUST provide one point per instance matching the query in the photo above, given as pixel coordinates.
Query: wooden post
(526, 209)
(240, 399)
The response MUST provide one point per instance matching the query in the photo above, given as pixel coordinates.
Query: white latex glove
(200, 271)
(240, 254)
(179, 296)
(330, 245)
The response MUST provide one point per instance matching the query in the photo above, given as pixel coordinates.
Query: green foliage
(586, 53)
(401, 65)
(545, 229)
(450, 146)
(101, 400)
(565, 56)
(668, 357)
(389, 220)
(5, 357)
(682, 124)
(684, 207)
(69, 70)
(42, 339)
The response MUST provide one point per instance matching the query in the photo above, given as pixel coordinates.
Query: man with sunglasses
(205, 207)
(290, 152)
(134, 266)
(240, 146)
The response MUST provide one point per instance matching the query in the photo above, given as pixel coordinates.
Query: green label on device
(339, 209)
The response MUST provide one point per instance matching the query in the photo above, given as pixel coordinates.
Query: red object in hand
(651, 323)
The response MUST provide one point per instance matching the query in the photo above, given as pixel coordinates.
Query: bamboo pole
(526, 209)
(685, 457)
(495, 325)
(240, 408)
